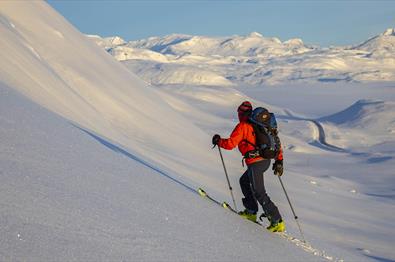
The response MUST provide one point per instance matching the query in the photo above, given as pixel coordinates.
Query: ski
(224, 204)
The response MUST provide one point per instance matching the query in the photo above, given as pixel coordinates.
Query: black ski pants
(253, 188)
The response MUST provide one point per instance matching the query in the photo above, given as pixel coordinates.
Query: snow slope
(367, 125)
(368, 114)
(88, 87)
(67, 194)
(254, 59)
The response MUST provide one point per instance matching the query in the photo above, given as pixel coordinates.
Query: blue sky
(336, 22)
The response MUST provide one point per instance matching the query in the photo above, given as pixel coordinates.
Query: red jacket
(242, 132)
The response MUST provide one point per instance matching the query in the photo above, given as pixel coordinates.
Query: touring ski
(223, 204)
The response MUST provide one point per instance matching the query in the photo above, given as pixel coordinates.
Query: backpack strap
(248, 142)
(252, 153)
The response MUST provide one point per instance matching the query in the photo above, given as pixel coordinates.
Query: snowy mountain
(97, 164)
(107, 42)
(251, 45)
(255, 59)
(380, 46)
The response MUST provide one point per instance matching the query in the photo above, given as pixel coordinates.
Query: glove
(278, 168)
(216, 139)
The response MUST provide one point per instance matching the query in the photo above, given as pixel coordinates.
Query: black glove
(278, 168)
(216, 139)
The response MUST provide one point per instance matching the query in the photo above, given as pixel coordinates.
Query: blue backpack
(268, 143)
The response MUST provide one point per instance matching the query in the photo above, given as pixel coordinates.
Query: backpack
(268, 143)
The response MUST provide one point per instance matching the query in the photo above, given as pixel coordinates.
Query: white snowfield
(99, 165)
(253, 59)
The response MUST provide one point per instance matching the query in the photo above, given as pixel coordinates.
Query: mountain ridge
(254, 59)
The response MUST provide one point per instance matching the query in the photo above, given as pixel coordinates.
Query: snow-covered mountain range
(252, 59)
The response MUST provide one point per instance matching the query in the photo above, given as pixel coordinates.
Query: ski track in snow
(308, 248)
(318, 134)
(322, 138)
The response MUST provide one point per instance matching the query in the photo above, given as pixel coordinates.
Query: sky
(319, 22)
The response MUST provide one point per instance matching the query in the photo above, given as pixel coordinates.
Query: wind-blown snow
(110, 175)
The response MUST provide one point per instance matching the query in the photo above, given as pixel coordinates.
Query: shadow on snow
(119, 150)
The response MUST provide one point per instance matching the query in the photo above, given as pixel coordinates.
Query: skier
(252, 181)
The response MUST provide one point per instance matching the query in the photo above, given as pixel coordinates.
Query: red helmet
(244, 110)
(245, 107)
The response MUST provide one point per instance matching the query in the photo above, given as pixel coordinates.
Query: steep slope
(49, 61)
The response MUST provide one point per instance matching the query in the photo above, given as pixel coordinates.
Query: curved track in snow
(320, 138)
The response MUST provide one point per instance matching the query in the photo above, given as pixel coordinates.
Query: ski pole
(227, 178)
(293, 211)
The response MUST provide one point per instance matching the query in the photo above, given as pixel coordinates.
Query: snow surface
(67, 194)
(97, 164)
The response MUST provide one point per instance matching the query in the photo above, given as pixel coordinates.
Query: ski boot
(247, 214)
(277, 226)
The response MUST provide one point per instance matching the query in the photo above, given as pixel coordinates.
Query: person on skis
(252, 181)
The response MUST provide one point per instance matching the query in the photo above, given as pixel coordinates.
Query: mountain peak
(389, 32)
(255, 34)
(294, 42)
(115, 40)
